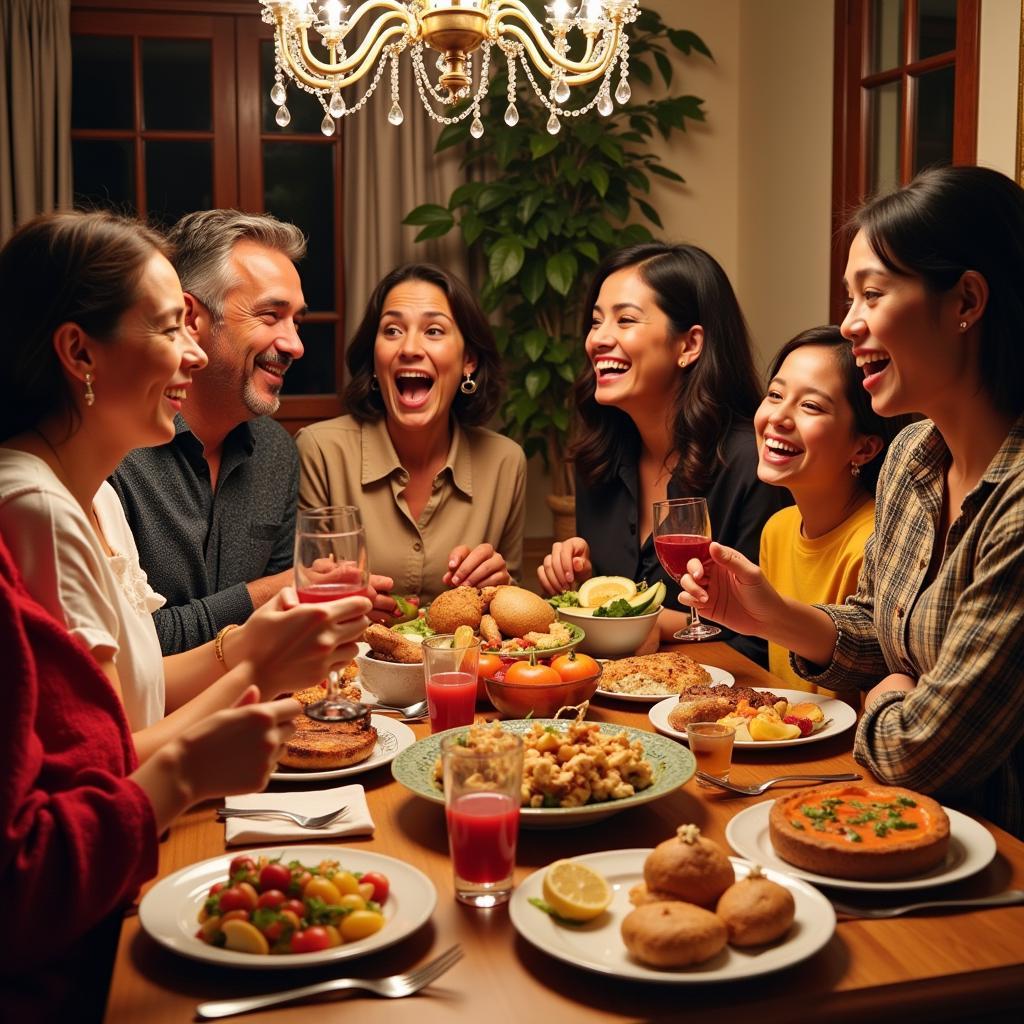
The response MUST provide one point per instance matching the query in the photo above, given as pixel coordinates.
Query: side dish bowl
(610, 638)
(533, 700)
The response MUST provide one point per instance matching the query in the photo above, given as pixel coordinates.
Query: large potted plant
(540, 213)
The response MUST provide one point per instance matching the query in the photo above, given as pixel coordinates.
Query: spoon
(415, 710)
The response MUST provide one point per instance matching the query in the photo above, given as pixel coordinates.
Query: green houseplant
(540, 213)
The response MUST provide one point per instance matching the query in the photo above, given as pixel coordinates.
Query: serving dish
(578, 635)
(610, 637)
(392, 738)
(718, 677)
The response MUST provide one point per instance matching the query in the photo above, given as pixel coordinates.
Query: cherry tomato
(380, 883)
(299, 881)
(275, 876)
(297, 907)
(312, 940)
(488, 665)
(243, 869)
(235, 915)
(573, 667)
(538, 675)
(216, 887)
(273, 930)
(236, 898)
(272, 899)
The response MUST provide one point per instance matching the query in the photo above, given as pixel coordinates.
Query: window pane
(313, 374)
(104, 174)
(176, 84)
(936, 27)
(305, 110)
(885, 133)
(886, 45)
(101, 82)
(933, 141)
(298, 186)
(179, 179)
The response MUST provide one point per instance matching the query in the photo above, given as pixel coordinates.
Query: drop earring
(854, 470)
(374, 383)
(90, 395)
(468, 386)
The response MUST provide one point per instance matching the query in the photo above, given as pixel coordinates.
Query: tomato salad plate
(598, 946)
(169, 912)
(718, 677)
(838, 718)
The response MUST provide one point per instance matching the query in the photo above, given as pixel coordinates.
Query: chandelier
(463, 33)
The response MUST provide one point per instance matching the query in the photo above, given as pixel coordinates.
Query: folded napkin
(356, 822)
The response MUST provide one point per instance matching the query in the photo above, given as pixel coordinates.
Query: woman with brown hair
(442, 498)
(666, 399)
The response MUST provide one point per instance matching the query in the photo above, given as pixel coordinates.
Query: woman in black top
(665, 400)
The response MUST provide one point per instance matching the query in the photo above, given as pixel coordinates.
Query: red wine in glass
(682, 531)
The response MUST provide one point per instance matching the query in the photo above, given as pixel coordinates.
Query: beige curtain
(388, 171)
(35, 109)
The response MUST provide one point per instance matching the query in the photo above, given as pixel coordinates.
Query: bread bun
(756, 910)
(518, 612)
(462, 606)
(689, 867)
(673, 934)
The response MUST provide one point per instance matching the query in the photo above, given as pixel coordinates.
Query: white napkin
(356, 822)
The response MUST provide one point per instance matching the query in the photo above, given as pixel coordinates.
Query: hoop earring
(854, 470)
(374, 383)
(468, 386)
(90, 395)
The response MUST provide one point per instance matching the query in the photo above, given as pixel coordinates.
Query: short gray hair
(203, 242)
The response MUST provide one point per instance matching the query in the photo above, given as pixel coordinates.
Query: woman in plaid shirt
(935, 632)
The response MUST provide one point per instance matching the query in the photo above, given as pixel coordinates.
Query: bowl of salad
(616, 614)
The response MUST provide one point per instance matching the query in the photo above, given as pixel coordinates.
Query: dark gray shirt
(200, 548)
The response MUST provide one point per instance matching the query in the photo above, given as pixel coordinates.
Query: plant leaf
(534, 342)
(561, 271)
(491, 196)
(537, 380)
(430, 213)
(664, 172)
(541, 145)
(664, 66)
(649, 212)
(589, 250)
(528, 205)
(686, 41)
(599, 177)
(505, 259)
(472, 227)
(533, 280)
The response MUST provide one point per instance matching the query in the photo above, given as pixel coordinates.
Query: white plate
(169, 910)
(971, 848)
(392, 738)
(842, 718)
(718, 676)
(597, 945)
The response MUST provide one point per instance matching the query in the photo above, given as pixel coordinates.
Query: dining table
(939, 965)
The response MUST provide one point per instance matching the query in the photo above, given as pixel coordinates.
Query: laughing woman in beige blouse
(442, 498)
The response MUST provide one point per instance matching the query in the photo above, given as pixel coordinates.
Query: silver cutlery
(302, 820)
(412, 711)
(1002, 899)
(761, 787)
(394, 987)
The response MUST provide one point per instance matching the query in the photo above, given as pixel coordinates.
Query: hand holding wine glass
(682, 530)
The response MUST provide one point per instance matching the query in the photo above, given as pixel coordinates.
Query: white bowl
(610, 638)
(390, 681)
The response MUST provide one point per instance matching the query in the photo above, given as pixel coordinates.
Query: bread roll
(756, 910)
(673, 934)
(689, 867)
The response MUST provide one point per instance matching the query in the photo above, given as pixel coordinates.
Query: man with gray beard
(213, 511)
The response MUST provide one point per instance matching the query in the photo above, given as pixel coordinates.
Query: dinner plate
(392, 738)
(718, 676)
(842, 718)
(597, 945)
(414, 769)
(548, 652)
(971, 848)
(168, 912)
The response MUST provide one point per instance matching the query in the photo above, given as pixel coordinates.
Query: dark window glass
(179, 179)
(885, 133)
(936, 27)
(298, 186)
(933, 138)
(104, 174)
(313, 374)
(305, 109)
(101, 82)
(886, 34)
(176, 84)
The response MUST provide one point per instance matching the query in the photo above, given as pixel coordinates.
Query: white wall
(997, 92)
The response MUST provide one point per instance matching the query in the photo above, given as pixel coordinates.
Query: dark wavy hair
(81, 268)
(949, 220)
(364, 402)
(715, 391)
(865, 419)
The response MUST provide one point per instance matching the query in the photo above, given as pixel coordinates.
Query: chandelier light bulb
(511, 115)
(282, 117)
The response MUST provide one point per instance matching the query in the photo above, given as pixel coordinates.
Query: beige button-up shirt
(479, 496)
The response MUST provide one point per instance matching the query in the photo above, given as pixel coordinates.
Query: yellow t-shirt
(819, 571)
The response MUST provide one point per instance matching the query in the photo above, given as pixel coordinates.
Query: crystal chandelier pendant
(282, 117)
(623, 92)
(554, 125)
(561, 91)
(605, 105)
(476, 128)
(395, 115)
(511, 115)
(327, 125)
(278, 95)
(337, 105)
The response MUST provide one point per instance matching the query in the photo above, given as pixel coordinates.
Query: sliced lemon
(600, 590)
(464, 637)
(576, 892)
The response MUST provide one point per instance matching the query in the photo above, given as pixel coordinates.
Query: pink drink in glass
(482, 830)
(451, 700)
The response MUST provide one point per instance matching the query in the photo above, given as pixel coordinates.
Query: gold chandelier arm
(330, 81)
(372, 37)
(580, 75)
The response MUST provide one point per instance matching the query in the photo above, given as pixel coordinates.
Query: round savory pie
(321, 746)
(859, 832)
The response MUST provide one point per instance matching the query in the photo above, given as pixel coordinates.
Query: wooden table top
(936, 966)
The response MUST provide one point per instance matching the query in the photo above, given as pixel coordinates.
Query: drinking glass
(682, 530)
(331, 563)
(450, 671)
(711, 744)
(482, 795)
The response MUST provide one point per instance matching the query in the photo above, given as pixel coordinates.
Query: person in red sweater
(79, 817)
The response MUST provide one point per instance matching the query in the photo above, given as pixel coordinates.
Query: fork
(1002, 899)
(302, 820)
(393, 987)
(761, 787)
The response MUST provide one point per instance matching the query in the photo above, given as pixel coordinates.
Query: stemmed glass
(682, 530)
(331, 563)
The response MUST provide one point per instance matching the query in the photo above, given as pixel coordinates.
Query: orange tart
(864, 833)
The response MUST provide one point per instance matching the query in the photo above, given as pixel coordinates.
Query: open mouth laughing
(608, 369)
(776, 451)
(413, 387)
(275, 364)
(874, 363)
(176, 395)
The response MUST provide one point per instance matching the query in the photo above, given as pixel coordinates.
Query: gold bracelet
(218, 642)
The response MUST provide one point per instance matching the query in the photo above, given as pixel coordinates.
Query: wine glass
(331, 563)
(682, 530)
